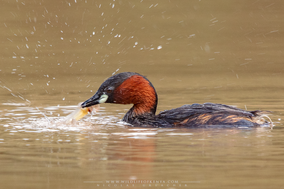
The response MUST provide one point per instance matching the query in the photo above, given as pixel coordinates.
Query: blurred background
(65, 49)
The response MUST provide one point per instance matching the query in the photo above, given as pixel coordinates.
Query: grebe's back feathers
(208, 114)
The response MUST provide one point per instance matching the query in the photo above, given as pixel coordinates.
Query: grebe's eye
(109, 90)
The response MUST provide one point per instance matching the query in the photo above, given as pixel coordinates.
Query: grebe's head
(126, 88)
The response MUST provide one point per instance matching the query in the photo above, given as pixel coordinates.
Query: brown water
(55, 54)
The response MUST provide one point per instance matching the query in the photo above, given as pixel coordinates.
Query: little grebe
(133, 88)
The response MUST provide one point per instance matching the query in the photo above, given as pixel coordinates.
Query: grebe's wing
(208, 113)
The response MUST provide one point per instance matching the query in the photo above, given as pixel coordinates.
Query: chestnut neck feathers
(139, 91)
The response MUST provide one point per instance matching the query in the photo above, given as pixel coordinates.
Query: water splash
(29, 119)
(115, 71)
(27, 102)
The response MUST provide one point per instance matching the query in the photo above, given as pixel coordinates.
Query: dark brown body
(198, 115)
(133, 88)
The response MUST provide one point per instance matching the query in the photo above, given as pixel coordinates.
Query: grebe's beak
(96, 99)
